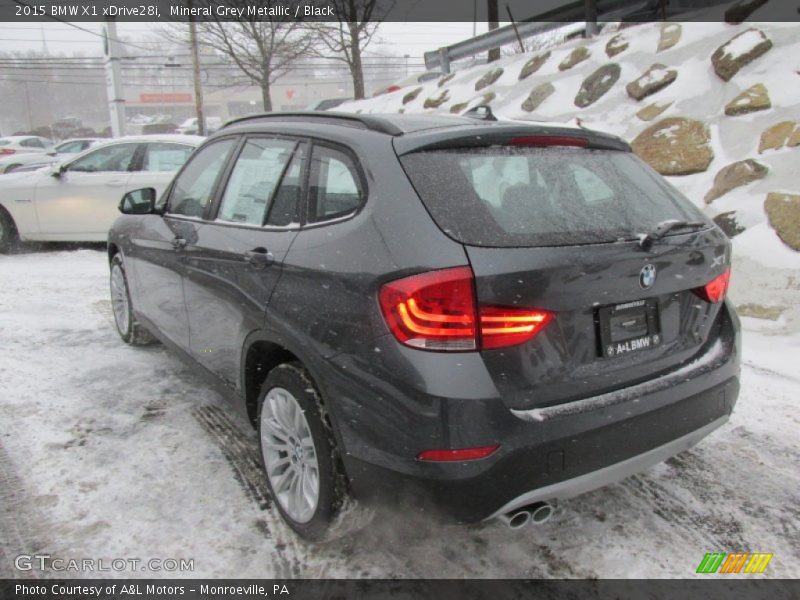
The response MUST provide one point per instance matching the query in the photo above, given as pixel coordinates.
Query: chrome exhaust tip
(516, 519)
(541, 512)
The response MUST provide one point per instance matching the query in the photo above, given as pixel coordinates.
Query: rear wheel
(9, 238)
(128, 328)
(299, 454)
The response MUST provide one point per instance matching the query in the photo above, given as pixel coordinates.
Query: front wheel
(128, 328)
(298, 450)
(8, 233)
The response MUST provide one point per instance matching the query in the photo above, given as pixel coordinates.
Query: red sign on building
(174, 98)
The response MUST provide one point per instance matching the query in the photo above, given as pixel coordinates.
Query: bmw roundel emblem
(647, 276)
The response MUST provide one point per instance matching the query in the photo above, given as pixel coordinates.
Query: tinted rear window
(505, 196)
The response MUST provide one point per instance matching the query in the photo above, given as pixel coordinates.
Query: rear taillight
(714, 291)
(7, 151)
(438, 311)
(433, 311)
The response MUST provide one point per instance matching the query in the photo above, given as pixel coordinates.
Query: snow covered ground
(108, 451)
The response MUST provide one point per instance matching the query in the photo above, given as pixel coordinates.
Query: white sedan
(77, 200)
(58, 153)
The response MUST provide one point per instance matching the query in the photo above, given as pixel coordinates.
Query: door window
(165, 157)
(70, 147)
(32, 143)
(194, 187)
(254, 179)
(335, 186)
(118, 157)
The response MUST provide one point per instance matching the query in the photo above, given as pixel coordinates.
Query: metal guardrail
(603, 10)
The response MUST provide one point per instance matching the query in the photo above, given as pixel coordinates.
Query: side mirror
(138, 202)
(57, 170)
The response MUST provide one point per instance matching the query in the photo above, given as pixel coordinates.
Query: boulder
(616, 45)
(445, 79)
(488, 78)
(437, 101)
(651, 111)
(457, 108)
(760, 311)
(735, 175)
(670, 35)
(597, 84)
(539, 94)
(776, 137)
(783, 212)
(533, 65)
(739, 12)
(675, 146)
(412, 95)
(486, 98)
(727, 222)
(794, 139)
(753, 99)
(577, 55)
(656, 78)
(740, 50)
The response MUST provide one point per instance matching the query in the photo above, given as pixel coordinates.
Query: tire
(129, 329)
(279, 434)
(9, 238)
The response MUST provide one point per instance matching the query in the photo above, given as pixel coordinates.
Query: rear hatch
(556, 225)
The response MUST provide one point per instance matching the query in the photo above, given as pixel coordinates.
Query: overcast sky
(394, 38)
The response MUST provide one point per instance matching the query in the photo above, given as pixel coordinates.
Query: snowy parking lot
(108, 451)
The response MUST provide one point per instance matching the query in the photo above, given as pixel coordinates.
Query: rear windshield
(5, 142)
(555, 196)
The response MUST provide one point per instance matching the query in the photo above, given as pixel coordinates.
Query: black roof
(416, 131)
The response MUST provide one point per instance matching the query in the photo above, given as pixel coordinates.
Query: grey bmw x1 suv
(481, 315)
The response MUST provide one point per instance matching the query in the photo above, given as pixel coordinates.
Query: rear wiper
(663, 228)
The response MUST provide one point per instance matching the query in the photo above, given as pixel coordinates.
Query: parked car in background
(35, 160)
(158, 128)
(189, 126)
(327, 104)
(76, 200)
(482, 315)
(24, 144)
(412, 80)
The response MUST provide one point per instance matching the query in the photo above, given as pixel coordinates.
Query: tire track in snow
(16, 535)
(241, 454)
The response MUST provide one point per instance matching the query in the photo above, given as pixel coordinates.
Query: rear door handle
(178, 243)
(259, 257)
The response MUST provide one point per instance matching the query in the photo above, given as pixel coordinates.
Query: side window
(284, 209)
(164, 157)
(32, 143)
(194, 187)
(255, 176)
(335, 186)
(118, 157)
(70, 147)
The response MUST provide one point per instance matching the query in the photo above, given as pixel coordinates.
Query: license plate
(628, 327)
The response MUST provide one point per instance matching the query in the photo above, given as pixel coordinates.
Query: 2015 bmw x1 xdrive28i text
(491, 314)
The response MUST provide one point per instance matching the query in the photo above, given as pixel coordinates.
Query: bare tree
(347, 38)
(263, 49)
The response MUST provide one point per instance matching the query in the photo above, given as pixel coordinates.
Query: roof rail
(370, 122)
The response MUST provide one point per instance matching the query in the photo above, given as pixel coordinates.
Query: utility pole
(198, 90)
(591, 18)
(116, 101)
(493, 18)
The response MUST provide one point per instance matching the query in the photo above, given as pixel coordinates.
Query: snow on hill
(693, 99)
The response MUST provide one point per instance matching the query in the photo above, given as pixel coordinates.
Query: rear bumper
(544, 455)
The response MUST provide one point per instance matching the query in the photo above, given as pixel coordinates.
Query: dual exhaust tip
(537, 513)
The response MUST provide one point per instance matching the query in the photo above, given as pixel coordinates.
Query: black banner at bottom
(439, 589)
